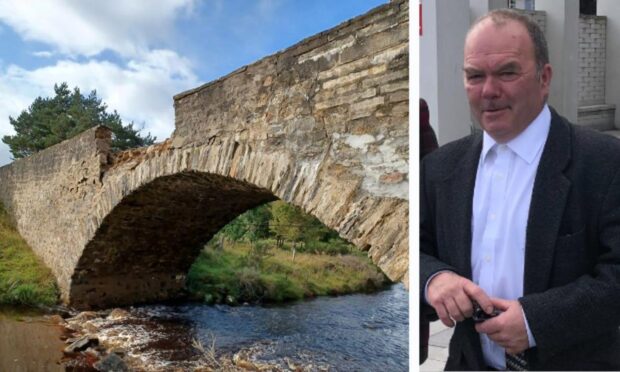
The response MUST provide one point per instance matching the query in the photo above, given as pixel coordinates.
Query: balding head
(500, 17)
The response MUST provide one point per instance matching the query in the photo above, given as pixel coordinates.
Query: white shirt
(502, 196)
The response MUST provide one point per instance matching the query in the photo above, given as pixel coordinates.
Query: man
(523, 218)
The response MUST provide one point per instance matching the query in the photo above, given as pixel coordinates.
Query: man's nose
(491, 87)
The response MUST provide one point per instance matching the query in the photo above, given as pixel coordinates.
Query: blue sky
(137, 54)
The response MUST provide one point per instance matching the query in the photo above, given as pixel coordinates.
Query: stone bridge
(322, 125)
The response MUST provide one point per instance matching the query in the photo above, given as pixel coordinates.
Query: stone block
(328, 51)
(344, 69)
(346, 79)
(392, 87)
(346, 99)
(399, 96)
(376, 42)
(392, 177)
(366, 107)
(387, 77)
(390, 54)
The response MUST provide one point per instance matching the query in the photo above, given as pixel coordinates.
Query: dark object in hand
(480, 315)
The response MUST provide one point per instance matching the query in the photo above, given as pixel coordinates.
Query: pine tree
(49, 121)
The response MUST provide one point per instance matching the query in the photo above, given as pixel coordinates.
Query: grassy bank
(24, 280)
(237, 274)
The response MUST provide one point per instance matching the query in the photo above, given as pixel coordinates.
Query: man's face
(504, 92)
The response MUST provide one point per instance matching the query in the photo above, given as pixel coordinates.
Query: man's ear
(545, 78)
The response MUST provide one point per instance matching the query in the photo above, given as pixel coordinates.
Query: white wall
(611, 9)
(562, 39)
(478, 8)
(445, 23)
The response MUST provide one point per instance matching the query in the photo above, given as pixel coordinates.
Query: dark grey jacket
(572, 254)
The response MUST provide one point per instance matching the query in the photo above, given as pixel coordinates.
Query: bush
(279, 289)
(250, 285)
(259, 250)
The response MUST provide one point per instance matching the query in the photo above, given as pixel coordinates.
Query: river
(359, 332)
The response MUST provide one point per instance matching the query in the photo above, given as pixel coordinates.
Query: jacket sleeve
(429, 261)
(574, 314)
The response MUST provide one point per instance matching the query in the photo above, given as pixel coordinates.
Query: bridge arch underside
(145, 246)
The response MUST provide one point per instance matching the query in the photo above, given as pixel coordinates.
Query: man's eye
(508, 75)
(474, 78)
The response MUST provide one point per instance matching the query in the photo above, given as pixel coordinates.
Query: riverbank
(29, 341)
(242, 273)
(24, 279)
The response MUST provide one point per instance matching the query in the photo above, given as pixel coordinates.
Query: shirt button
(493, 216)
(487, 258)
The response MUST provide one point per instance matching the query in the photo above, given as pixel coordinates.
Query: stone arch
(158, 206)
(144, 247)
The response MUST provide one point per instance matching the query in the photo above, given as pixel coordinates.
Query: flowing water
(360, 332)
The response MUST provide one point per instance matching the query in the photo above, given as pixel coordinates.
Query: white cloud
(43, 54)
(76, 27)
(141, 91)
(140, 86)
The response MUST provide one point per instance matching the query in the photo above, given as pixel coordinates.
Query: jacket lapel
(456, 196)
(549, 196)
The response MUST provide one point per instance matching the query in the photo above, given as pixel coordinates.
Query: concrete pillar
(611, 9)
(563, 42)
(479, 8)
(445, 23)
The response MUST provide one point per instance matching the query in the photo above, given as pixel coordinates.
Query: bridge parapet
(339, 98)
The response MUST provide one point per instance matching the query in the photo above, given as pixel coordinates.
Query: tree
(288, 222)
(251, 225)
(49, 121)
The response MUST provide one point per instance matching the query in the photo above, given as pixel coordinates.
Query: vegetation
(49, 121)
(284, 223)
(24, 280)
(296, 257)
(230, 275)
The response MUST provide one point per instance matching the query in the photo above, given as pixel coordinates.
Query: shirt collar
(529, 142)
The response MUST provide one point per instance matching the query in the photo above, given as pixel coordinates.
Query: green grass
(24, 279)
(236, 273)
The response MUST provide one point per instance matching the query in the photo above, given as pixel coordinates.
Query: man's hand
(451, 296)
(507, 329)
